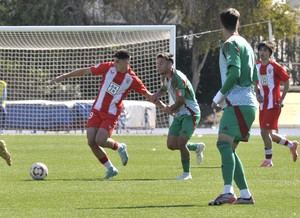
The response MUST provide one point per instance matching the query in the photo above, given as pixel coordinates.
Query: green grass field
(145, 187)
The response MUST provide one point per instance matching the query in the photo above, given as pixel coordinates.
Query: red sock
(104, 159)
(115, 146)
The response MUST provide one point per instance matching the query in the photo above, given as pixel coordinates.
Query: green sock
(228, 161)
(186, 165)
(192, 147)
(239, 175)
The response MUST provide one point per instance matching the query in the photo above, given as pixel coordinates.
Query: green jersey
(237, 52)
(179, 85)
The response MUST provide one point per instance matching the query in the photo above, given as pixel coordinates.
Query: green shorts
(237, 121)
(184, 125)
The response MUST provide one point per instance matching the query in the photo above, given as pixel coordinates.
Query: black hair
(122, 54)
(229, 18)
(269, 45)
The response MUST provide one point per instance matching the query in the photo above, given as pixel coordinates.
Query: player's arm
(156, 96)
(151, 97)
(286, 86)
(232, 78)
(162, 91)
(179, 87)
(74, 73)
(259, 97)
(148, 95)
(284, 77)
(232, 55)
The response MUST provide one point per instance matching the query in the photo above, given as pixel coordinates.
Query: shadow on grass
(206, 167)
(144, 207)
(97, 180)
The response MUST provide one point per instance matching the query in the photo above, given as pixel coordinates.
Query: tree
(144, 11)
(202, 16)
(44, 12)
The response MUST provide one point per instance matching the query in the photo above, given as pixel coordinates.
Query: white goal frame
(30, 44)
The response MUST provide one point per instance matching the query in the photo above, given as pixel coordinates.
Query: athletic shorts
(268, 119)
(184, 125)
(236, 121)
(101, 120)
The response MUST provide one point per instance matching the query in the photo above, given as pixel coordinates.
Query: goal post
(31, 56)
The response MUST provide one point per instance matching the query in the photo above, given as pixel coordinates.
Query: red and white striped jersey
(269, 78)
(114, 87)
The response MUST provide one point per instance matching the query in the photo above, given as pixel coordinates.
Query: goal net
(32, 56)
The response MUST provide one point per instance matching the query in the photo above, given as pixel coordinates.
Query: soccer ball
(38, 171)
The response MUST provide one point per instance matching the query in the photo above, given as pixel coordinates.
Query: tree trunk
(197, 67)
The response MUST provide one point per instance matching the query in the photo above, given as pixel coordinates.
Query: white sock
(290, 144)
(283, 142)
(245, 193)
(268, 151)
(108, 164)
(228, 189)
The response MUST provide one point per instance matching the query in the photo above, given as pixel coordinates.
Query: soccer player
(4, 153)
(117, 80)
(186, 112)
(270, 75)
(239, 75)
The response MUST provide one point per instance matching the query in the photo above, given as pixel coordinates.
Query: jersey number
(113, 88)
(264, 80)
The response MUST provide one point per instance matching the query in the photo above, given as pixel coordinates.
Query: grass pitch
(145, 187)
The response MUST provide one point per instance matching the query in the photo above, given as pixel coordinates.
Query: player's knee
(92, 143)
(218, 144)
(223, 144)
(171, 146)
(100, 141)
(264, 133)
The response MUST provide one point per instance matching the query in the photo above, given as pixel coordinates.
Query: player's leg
(104, 139)
(224, 145)
(173, 133)
(189, 125)
(93, 124)
(240, 181)
(268, 122)
(174, 142)
(185, 158)
(234, 126)
(292, 145)
(248, 114)
(120, 147)
(100, 153)
(266, 136)
(4, 153)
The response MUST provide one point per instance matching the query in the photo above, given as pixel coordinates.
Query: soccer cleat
(4, 152)
(123, 154)
(184, 176)
(294, 151)
(227, 198)
(267, 163)
(245, 201)
(199, 152)
(111, 172)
